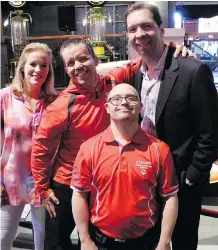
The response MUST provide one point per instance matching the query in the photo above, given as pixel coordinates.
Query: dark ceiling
(198, 11)
(30, 4)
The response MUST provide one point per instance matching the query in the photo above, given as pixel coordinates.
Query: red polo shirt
(124, 181)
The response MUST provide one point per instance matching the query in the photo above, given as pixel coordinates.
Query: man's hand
(49, 204)
(181, 49)
(163, 247)
(2, 188)
(4, 195)
(88, 245)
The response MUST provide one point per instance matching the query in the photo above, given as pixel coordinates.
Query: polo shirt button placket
(123, 164)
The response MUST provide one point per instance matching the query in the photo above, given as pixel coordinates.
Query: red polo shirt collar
(138, 138)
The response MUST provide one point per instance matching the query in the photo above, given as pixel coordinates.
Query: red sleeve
(124, 73)
(46, 141)
(82, 170)
(118, 75)
(168, 182)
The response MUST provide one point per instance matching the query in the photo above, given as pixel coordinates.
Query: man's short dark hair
(76, 41)
(142, 6)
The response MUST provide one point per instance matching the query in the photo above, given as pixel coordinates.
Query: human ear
(96, 60)
(106, 107)
(162, 31)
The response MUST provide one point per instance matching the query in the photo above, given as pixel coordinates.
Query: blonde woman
(22, 106)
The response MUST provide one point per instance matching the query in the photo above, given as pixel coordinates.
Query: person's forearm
(170, 212)
(42, 156)
(45, 143)
(40, 171)
(81, 214)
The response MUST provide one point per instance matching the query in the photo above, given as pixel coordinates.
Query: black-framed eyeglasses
(117, 100)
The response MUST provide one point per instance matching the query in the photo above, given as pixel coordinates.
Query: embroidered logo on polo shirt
(143, 165)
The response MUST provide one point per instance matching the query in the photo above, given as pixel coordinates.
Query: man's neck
(124, 131)
(85, 86)
(150, 62)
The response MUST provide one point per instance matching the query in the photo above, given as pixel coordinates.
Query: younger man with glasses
(123, 168)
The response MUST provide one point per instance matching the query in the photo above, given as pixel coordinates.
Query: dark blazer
(186, 115)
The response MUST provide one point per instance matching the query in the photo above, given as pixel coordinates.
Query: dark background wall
(45, 21)
(45, 15)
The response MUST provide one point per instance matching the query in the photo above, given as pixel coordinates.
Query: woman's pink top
(18, 126)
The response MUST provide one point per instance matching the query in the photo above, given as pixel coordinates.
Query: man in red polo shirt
(123, 169)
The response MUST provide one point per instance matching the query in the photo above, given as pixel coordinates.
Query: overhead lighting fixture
(6, 22)
(177, 20)
(17, 4)
(84, 22)
(109, 18)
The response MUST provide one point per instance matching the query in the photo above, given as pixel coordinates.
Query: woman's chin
(35, 83)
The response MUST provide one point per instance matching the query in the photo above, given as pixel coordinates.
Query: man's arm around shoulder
(124, 73)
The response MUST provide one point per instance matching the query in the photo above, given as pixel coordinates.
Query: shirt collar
(138, 138)
(21, 96)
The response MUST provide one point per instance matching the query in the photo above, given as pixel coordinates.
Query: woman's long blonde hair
(18, 83)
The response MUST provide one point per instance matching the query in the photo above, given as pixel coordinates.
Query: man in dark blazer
(180, 108)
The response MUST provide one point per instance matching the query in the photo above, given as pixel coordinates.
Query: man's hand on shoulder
(49, 204)
(180, 48)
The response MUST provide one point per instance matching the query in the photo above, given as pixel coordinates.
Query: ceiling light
(6, 22)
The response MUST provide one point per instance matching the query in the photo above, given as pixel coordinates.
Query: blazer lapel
(167, 83)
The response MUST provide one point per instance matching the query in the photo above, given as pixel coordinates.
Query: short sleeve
(81, 180)
(168, 183)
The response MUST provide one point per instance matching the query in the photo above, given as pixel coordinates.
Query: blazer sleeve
(203, 100)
